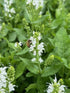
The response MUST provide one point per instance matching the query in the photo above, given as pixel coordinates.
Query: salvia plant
(7, 7)
(6, 79)
(34, 46)
(56, 87)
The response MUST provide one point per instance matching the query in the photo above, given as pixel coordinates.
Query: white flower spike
(56, 87)
(8, 11)
(4, 83)
(36, 47)
(36, 3)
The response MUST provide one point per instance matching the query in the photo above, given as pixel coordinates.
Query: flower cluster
(7, 9)
(4, 83)
(18, 44)
(56, 87)
(36, 3)
(36, 47)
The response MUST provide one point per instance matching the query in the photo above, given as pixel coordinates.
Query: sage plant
(6, 85)
(36, 3)
(7, 8)
(36, 47)
(56, 87)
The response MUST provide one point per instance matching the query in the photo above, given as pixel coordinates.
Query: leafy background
(54, 25)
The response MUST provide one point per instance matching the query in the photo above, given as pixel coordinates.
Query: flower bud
(11, 73)
(49, 60)
(61, 81)
(17, 17)
(3, 24)
(24, 21)
(42, 25)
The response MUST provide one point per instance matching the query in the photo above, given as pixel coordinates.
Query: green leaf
(29, 74)
(56, 23)
(21, 37)
(20, 69)
(67, 91)
(65, 63)
(62, 46)
(40, 20)
(33, 68)
(24, 51)
(26, 14)
(61, 43)
(31, 86)
(12, 36)
(49, 60)
(20, 34)
(41, 84)
(4, 32)
(47, 71)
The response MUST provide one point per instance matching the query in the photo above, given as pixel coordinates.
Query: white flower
(6, 8)
(5, 14)
(34, 53)
(16, 44)
(11, 87)
(33, 40)
(12, 10)
(10, 15)
(34, 59)
(40, 48)
(55, 80)
(63, 0)
(7, 4)
(50, 88)
(6, 1)
(36, 3)
(61, 88)
(20, 43)
(3, 77)
(2, 90)
(10, 2)
(35, 47)
(3, 71)
(4, 83)
(39, 37)
(40, 13)
(40, 52)
(33, 32)
(28, 1)
(31, 48)
(40, 60)
(0, 27)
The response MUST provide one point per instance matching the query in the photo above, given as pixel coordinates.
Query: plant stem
(37, 56)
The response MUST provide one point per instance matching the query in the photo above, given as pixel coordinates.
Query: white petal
(40, 60)
(34, 59)
(34, 53)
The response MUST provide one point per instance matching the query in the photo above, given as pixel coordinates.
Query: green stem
(37, 55)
